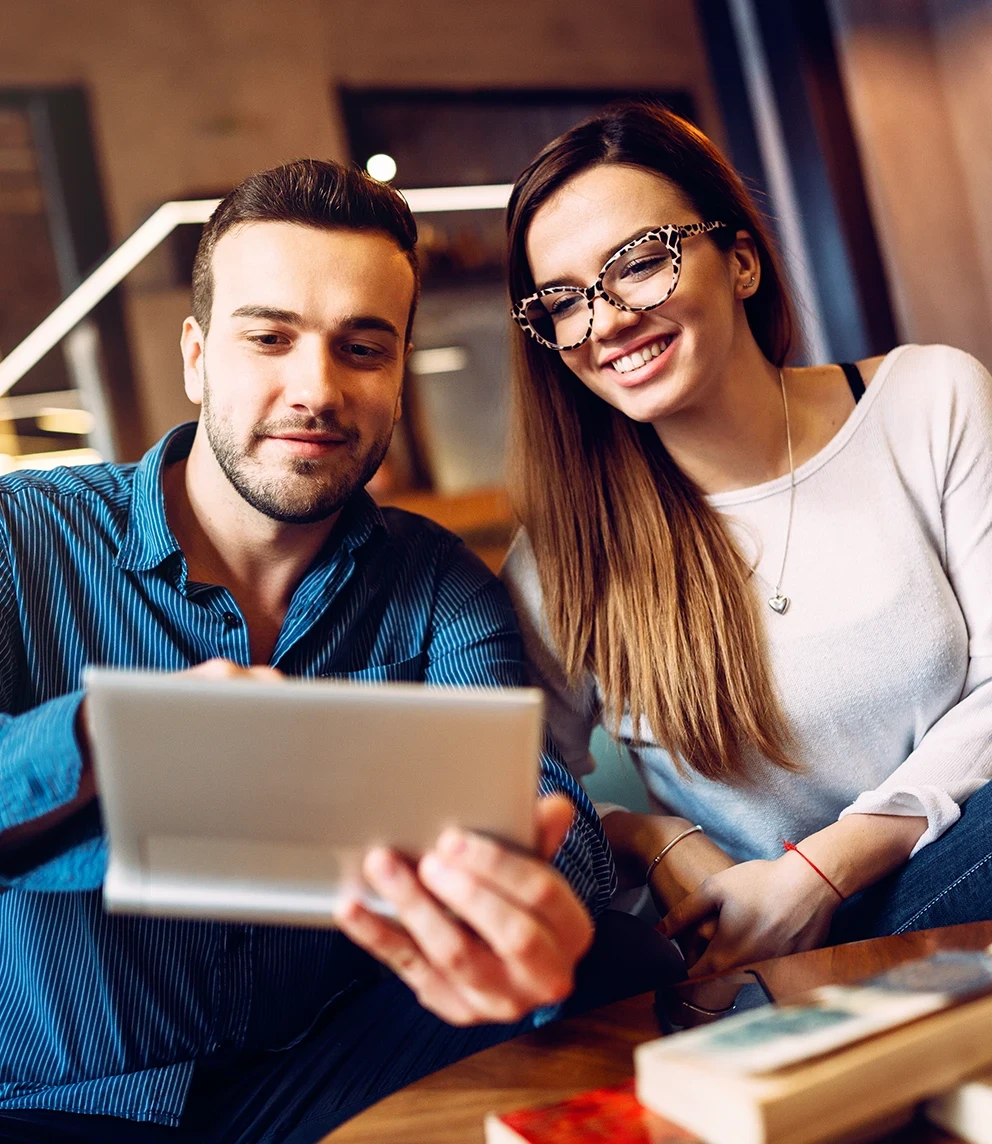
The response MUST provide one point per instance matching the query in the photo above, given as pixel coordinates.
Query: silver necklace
(777, 602)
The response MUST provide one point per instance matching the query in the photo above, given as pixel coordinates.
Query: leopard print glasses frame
(670, 235)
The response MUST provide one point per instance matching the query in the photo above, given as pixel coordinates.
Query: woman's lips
(642, 373)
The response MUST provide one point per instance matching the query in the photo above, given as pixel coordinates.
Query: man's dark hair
(308, 192)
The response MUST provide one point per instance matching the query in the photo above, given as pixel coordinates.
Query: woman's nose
(608, 320)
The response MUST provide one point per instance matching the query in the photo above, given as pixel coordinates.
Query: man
(246, 544)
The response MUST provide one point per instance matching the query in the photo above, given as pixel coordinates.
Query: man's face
(301, 373)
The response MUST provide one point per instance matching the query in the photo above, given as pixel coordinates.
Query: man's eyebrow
(603, 257)
(370, 322)
(269, 313)
(292, 318)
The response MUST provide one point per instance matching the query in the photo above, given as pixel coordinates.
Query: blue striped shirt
(108, 1014)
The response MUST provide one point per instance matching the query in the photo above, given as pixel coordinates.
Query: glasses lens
(643, 276)
(561, 318)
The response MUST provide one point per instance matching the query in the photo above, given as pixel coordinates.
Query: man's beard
(283, 498)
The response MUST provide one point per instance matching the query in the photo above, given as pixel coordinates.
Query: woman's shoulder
(936, 367)
(932, 397)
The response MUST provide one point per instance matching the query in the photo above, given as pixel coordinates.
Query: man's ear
(745, 265)
(193, 345)
(398, 411)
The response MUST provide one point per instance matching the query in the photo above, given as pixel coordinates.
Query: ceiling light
(381, 167)
(448, 359)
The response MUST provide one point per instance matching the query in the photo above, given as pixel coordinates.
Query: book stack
(846, 1063)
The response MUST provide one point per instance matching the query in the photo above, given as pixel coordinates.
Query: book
(603, 1115)
(965, 1111)
(831, 1065)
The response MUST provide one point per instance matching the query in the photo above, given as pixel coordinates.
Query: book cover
(603, 1115)
(833, 1016)
(850, 1056)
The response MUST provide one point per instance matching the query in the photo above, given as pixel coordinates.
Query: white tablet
(254, 802)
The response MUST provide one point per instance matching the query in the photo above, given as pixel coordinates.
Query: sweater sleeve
(953, 758)
(572, 713)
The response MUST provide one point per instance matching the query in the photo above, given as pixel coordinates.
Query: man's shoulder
(418, 539)
(426, 550)
(32, 495)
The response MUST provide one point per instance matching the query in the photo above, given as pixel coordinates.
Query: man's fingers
(456, 953)
(394, 947)
(690, 911)
(522, 880)
(554, 817)
(537, 960)
(225, 669)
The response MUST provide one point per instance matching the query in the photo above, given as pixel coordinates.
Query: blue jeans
(947, 883)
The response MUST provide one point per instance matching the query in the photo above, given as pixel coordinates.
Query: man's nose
(315, 382)
(609, 321)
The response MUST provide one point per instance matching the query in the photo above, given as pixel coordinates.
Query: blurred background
(864, 125)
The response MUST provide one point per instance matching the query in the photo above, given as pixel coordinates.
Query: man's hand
(483, 934)
(225, 669)
(761, 909)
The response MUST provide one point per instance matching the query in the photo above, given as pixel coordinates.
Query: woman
(775, 590)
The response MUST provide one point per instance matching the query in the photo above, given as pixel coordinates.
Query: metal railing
(115, 268)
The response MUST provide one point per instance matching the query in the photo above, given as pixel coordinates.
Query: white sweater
(883, 661)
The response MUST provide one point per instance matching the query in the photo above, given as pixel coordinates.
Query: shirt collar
(150, 540)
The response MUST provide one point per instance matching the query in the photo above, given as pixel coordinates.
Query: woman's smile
(640, 361)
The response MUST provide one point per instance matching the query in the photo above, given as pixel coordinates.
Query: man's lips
(309, 444)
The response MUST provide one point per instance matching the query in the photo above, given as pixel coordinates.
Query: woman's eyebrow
(603, 257)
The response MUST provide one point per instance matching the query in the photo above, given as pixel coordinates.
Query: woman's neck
(734, 437)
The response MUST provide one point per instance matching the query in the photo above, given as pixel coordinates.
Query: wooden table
(595, 1049)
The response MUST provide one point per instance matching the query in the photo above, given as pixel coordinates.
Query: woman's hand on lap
(761, 909)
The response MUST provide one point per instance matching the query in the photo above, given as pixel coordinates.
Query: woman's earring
(750, 281)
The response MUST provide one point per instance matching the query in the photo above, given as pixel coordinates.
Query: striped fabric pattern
(107, 1014)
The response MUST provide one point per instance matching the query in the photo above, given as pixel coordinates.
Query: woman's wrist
(637, 838)
(859, 849)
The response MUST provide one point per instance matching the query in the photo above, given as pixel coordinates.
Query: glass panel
(29, 290)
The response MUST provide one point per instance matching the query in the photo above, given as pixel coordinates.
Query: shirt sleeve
(40, 769)
(475, 641)
(953, 758)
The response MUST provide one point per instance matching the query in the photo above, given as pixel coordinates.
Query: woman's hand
(635, 840)
(761, 909)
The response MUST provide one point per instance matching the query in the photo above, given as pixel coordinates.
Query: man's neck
(229, 543)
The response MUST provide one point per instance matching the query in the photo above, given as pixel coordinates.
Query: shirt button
(232, 620)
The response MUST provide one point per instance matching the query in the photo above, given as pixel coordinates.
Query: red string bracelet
(792, 846)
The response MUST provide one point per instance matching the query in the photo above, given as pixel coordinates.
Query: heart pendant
(779, 603)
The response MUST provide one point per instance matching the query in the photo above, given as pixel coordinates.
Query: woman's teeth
(641, 356)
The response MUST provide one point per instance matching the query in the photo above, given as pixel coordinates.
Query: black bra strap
(853, 376)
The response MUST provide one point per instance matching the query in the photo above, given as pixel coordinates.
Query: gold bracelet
(664, 850)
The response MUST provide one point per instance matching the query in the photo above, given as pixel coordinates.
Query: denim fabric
(949, 882)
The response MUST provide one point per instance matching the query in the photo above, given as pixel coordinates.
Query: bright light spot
(58, 458)
(381, 167)
(449, 359)
(54, 420)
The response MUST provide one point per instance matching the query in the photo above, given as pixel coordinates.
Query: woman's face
(687, 342)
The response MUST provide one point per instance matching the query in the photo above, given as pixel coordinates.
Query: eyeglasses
(639, 276)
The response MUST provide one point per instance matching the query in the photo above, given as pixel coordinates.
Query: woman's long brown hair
(642, 584)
